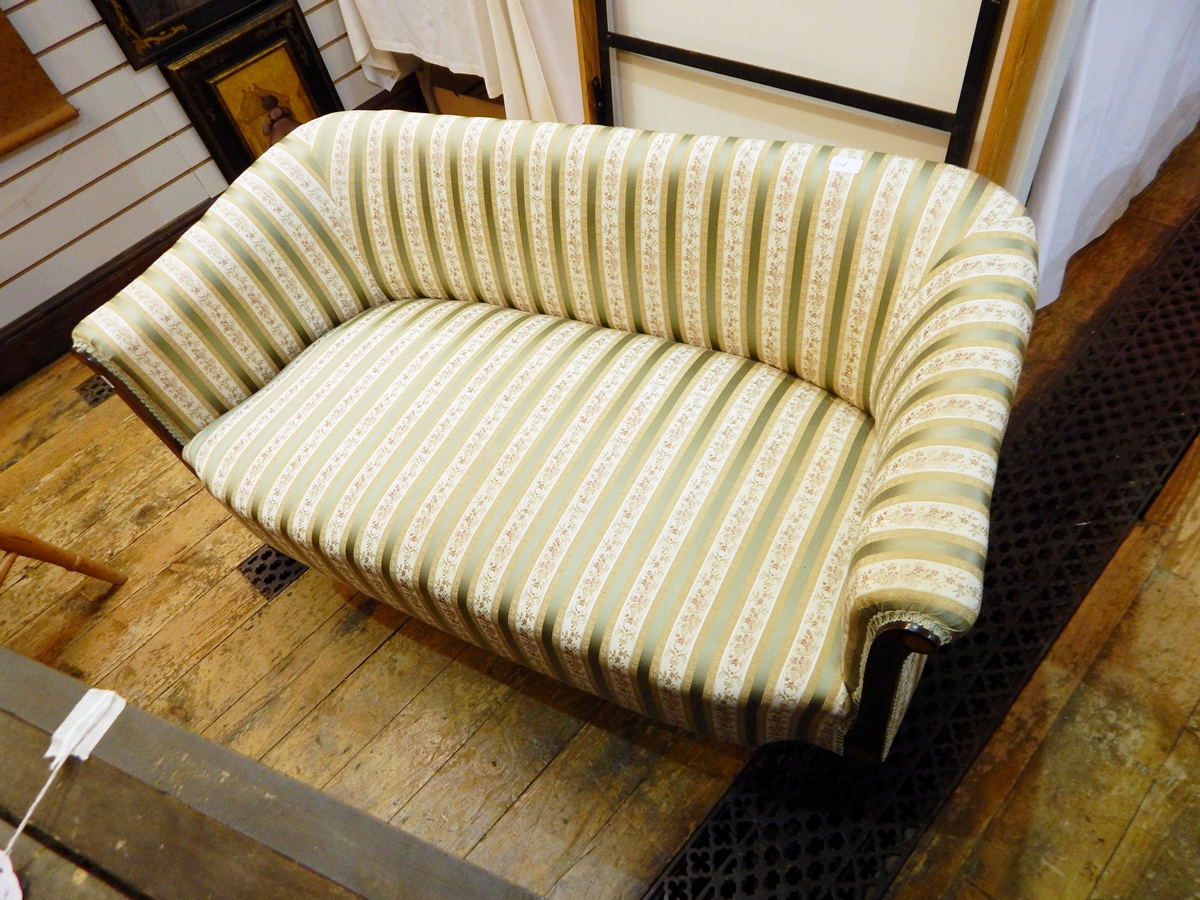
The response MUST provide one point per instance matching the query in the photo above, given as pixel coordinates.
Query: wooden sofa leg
(893, 644)
(133, 402)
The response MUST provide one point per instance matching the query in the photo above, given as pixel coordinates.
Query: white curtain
(523, 49)
(1132, 92)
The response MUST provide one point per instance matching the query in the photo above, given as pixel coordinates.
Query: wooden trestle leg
(14, 543)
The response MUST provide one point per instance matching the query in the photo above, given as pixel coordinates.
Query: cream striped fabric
(665, 526)
(905, 289)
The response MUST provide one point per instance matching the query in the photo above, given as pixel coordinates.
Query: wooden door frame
(1014, 86)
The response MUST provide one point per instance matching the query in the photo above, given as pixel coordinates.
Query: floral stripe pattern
(557, 492)
(890, 298)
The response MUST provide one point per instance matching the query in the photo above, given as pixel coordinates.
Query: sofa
(705, 426)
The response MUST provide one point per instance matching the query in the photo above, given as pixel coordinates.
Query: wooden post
(588, 41)
(1027, 39)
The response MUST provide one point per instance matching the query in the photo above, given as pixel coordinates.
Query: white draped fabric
(523, 49)
(1132, 92)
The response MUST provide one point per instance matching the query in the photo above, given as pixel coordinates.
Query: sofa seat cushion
(666, 526)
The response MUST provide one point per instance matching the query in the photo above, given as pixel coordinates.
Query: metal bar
(796, 84)
(604, 104)
(970, 99)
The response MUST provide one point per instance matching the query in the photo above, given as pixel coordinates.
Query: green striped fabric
(903, 288)
(664, 526)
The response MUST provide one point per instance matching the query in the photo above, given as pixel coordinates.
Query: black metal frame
(960, 124)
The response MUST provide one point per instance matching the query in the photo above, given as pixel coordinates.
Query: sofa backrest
(826, 263)
(808, 258)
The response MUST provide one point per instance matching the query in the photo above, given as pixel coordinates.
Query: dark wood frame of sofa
(894, 643)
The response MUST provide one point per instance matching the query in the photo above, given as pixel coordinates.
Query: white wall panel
(325, 23)
(58, 226)
(339, 58)
(355, 89)
(210, 176)
(98, 104)
(100, 245)
(131, 163)
(46, 22)
(660, 95)
(914, 50)
(79, 60)
(78, 166)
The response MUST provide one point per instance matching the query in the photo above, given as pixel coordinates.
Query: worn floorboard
(1089, 787)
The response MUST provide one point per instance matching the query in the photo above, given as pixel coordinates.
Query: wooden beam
(167, 815)
(1027, 39)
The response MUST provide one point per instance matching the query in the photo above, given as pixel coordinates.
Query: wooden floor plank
(1083, 786)
(950, 839)
(82, 605)
(963, 889)
(184, 641)
(1157, 856)
(305, 677)
(123, 628)
(1180, 494)
(483, 779)
(247, 654)
(389, 770)
(552, 825)
(647, 830)
(38, 408)
(1174, 194)
(362, 706)
(76, 504)
(1182, 555)
(70, 461)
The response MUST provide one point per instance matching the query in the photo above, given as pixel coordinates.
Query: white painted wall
(650, 93)
(913, 50)
(131, 162)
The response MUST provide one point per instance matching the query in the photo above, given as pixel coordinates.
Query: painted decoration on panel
(246, 89)
(30, 104)
(265, 98)
(148, 31)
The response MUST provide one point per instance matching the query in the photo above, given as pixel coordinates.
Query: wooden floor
(1090, 789)
(541, 784)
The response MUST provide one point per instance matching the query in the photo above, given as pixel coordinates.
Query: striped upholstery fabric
(904, 288)
(665, 526)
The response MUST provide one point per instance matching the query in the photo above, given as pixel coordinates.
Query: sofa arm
(952, 356)
(267, 270)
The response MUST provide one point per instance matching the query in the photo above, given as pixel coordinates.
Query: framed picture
(248, 87)
(151, 30)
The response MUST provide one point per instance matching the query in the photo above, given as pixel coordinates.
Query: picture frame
(249, 86)
(149, 31)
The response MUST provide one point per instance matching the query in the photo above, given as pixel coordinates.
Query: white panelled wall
(131, 163)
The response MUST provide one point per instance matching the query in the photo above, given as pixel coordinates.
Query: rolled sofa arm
(266, 271)
(947, 373)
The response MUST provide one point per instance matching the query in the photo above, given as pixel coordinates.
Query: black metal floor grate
(270, 571)
(94, 391)
(1076, 474)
